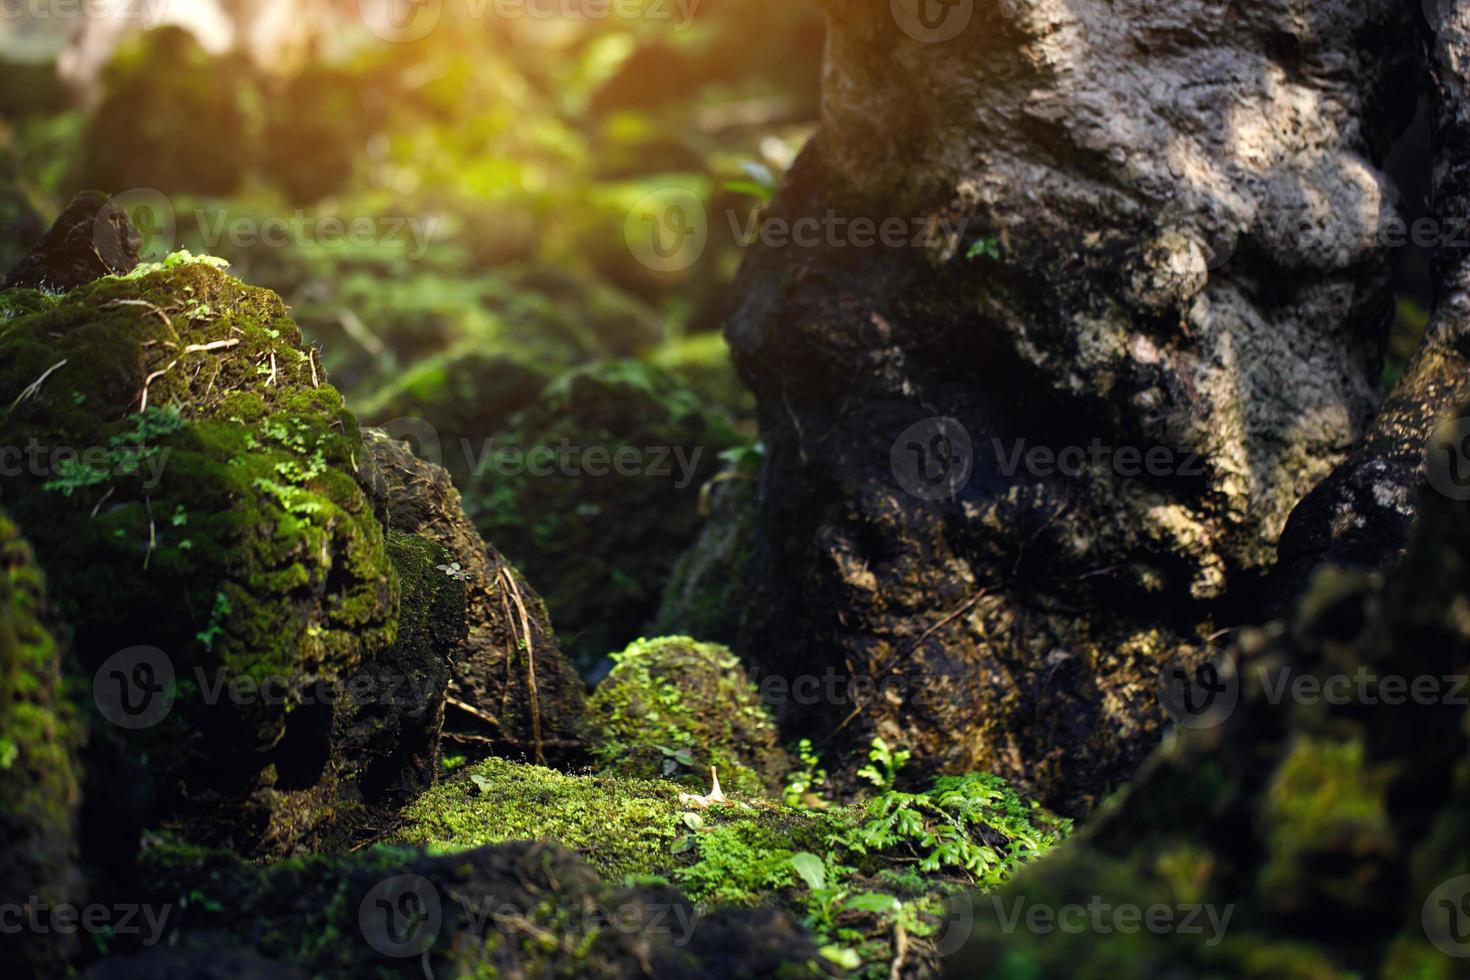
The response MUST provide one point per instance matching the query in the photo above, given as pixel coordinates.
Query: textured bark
(1185, 210)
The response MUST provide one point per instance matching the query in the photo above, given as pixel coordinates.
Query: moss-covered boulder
(673, 707)
(859, 875)
(511, 690)
(274, 613)
(1320, 828)
(191, 480)
(40, 735)
(595, 492)
(524, 909)
(172, 118)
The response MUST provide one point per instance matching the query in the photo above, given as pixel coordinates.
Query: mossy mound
(1320, 830)
(39, 739)
(191, 481)
(521, 909)
(673, 707)
(172, 118)
(594, 493)
(898, 858)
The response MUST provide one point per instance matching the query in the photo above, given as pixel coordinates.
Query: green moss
(913, 848)
(39, 738)
(701, 363)
(673, 707)
(1324, 804)
(193, 488)
(621, 827)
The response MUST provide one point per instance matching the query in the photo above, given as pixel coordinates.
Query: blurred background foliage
(502, 163)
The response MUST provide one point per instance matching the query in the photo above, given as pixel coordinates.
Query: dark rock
(91, 239)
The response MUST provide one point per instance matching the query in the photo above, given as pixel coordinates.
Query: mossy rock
(40, 736)
(512, 691)
(673, 707)
(172, 118)
(192, 484)
(1328, 813)
(741, 853)
(522, 909)
(600, 546)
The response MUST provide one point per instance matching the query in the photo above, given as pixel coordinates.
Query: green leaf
(693, 821)
(874, 902)
(811, 870)
(481, 783)
(846, 958)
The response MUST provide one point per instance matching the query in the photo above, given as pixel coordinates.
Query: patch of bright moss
(621, 827)
(673, 707)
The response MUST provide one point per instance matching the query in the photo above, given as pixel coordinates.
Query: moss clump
(594, 493)
(905, 853)
(191, 482)
(172, 118)
(39, 738)
(622, 827)
(673, 707)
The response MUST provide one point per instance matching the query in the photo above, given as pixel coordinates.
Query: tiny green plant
(883, 764)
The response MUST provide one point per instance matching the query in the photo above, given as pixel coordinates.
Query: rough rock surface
(1163, 229)
(512, 691)
(90, 240)
(1331, 826)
